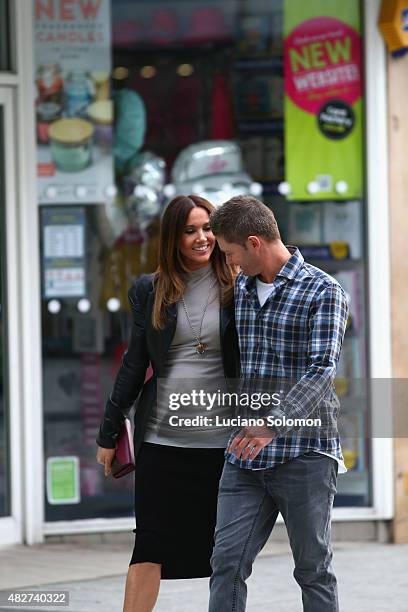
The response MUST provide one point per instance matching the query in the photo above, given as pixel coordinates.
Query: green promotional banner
(323, 99)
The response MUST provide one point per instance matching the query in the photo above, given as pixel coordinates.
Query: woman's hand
(105, 456)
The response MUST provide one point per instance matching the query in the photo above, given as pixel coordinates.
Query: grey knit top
(186, 371)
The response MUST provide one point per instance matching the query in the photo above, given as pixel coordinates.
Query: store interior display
(211, 169)
(222, 125)
(194, 103)
(130, 127)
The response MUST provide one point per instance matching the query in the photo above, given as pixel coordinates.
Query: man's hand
(105, 456)
(250, 441)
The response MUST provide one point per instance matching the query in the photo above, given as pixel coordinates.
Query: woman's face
(197, 241)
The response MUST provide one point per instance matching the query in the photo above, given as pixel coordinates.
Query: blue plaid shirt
(295, 336)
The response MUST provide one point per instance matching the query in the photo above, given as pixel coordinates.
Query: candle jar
(100, 80)
(49, 84)
(78, 92)
(47, 113)
(71, 144)
(101, 115)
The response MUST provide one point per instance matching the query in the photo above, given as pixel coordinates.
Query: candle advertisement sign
(74, 112)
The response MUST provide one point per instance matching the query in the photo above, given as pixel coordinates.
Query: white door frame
(379, 261)
(11, 526)
(29, 274)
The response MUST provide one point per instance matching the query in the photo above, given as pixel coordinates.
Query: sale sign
(323, 99)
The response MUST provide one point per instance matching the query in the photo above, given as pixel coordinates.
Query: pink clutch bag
(124, 461)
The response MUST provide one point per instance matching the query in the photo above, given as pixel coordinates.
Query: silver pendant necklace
(200, 347)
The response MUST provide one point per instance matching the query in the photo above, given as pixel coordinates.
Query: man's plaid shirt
(296, 336)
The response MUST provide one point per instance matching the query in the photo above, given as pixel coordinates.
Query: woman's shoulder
(142, 286)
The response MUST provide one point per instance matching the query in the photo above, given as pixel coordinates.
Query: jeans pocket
(314, 455)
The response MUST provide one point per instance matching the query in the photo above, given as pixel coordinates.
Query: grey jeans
(302, 490)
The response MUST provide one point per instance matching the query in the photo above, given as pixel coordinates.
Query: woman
(184, 327)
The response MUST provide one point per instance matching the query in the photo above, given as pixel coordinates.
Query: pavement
(372, 577)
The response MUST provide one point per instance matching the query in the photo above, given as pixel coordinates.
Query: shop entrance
(10, 474)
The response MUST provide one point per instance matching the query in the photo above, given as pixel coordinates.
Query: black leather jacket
(149, 345)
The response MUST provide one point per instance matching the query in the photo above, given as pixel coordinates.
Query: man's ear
(253, 242)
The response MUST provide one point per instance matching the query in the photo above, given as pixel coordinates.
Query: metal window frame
(11, 525)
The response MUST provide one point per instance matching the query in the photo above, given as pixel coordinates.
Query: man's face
(246, 257)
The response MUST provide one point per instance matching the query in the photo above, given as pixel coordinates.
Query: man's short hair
(244, 216)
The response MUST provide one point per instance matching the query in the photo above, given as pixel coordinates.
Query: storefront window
(4, 447)
(218, 99)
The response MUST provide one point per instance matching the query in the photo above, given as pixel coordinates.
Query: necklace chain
(200, 346)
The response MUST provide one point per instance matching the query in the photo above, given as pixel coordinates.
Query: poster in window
(323, 105)
(63, 235)
(74, 111)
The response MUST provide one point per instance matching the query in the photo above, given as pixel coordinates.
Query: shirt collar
(288, 271)
(293, 265)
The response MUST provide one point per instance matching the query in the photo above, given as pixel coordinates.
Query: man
(291, 318)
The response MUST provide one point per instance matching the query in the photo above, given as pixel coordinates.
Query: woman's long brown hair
(168, 281)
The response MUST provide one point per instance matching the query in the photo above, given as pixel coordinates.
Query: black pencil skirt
(175, 506)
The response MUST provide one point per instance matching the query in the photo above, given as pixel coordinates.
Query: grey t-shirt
(185, 370)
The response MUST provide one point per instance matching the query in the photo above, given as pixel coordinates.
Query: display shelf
(259, 127)
(335, 264)
(178, 47)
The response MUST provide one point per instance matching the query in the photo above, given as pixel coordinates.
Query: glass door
(10, 474)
